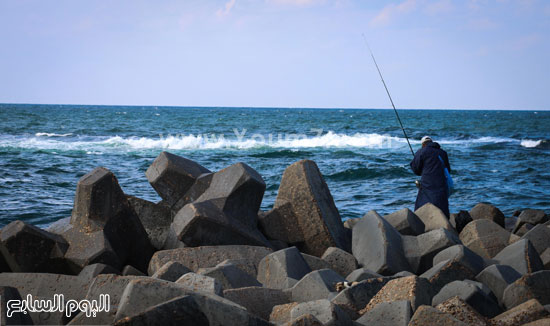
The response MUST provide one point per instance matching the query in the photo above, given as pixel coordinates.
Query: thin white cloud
(481, 24)
(525, 42)
(297, 3)
(226, 8)
(392, 11)
(439, 7)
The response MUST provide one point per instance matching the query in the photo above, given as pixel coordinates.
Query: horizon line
(271, 107)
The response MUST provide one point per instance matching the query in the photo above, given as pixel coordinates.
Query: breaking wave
(53, 141)
(47, 134)
(543, 143)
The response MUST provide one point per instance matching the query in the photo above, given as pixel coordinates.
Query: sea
(500, 157)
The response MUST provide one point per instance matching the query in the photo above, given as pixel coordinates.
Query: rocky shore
(206, 255)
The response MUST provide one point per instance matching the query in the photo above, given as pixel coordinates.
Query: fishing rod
(387, 91)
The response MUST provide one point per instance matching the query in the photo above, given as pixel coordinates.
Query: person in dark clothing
(433, 184)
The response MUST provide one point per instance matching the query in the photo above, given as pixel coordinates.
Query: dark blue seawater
(500, 157)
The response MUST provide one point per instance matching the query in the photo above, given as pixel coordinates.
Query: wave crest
(52, 141)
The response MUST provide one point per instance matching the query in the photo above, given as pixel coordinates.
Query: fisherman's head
(426, 140)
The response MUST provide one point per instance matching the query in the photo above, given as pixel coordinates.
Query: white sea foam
(48, 134)
(99, 145)
(530, 143)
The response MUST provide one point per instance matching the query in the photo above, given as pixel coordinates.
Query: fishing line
(388, 92)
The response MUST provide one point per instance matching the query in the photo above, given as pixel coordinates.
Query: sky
(434, 54)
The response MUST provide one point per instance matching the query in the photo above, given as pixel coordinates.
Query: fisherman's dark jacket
(427, 164)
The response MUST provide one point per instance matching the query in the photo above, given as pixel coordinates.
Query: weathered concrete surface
(171, 176)
(171, 271)
(155, 218)
(201, 283)
(497, 278)
(314, 219)
(426, 315)
(485, 237)
(316, 285)
(433, 218)
(282, 269)
(181, 311)
(205, 224)
(378, 246)
(472, 294)
(417, 291)
(529, 286)
(207, 256)
(406, 222)
(44, 286)
(342, 262)
(257, 300)
(520, 315)
(521, 256)
(27, 248)
(462, 311)
(326, 312)
(100, 205)
(489, 212)
(395, 313)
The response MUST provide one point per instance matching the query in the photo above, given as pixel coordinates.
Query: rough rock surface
(316, 285)
(100, 205)
(448, 271)
(395, 313)
(155, 218)
(378, 246)
(7, 294)
(519, 315)
(539, 236)
(431, 243)
(326, 312)
(361, 274)
(406, 222)
(26, 248)
(257, 300)
(357, 296)
(201, 283)
(461, 253)
(426, 315)
(171, 176)
(529, 286)
(314, 218)
(460, 220)
(204, 223)
(340, 261)
(489, 212)
(181, 311)
(530, 216)
(521, 256)
(416, 290)
(230, 276)
(470, 293)
(485, 237)
(497, 278)
(433, 218)
(207, 256)
(282, 269)
(171, 271)
(462, 311)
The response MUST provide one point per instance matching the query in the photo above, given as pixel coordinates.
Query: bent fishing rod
(388, 92)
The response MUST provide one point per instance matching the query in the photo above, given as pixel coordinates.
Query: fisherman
(430, 162)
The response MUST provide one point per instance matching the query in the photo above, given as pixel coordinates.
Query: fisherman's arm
(417, 163)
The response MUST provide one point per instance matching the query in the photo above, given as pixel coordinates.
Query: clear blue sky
(277, 53)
